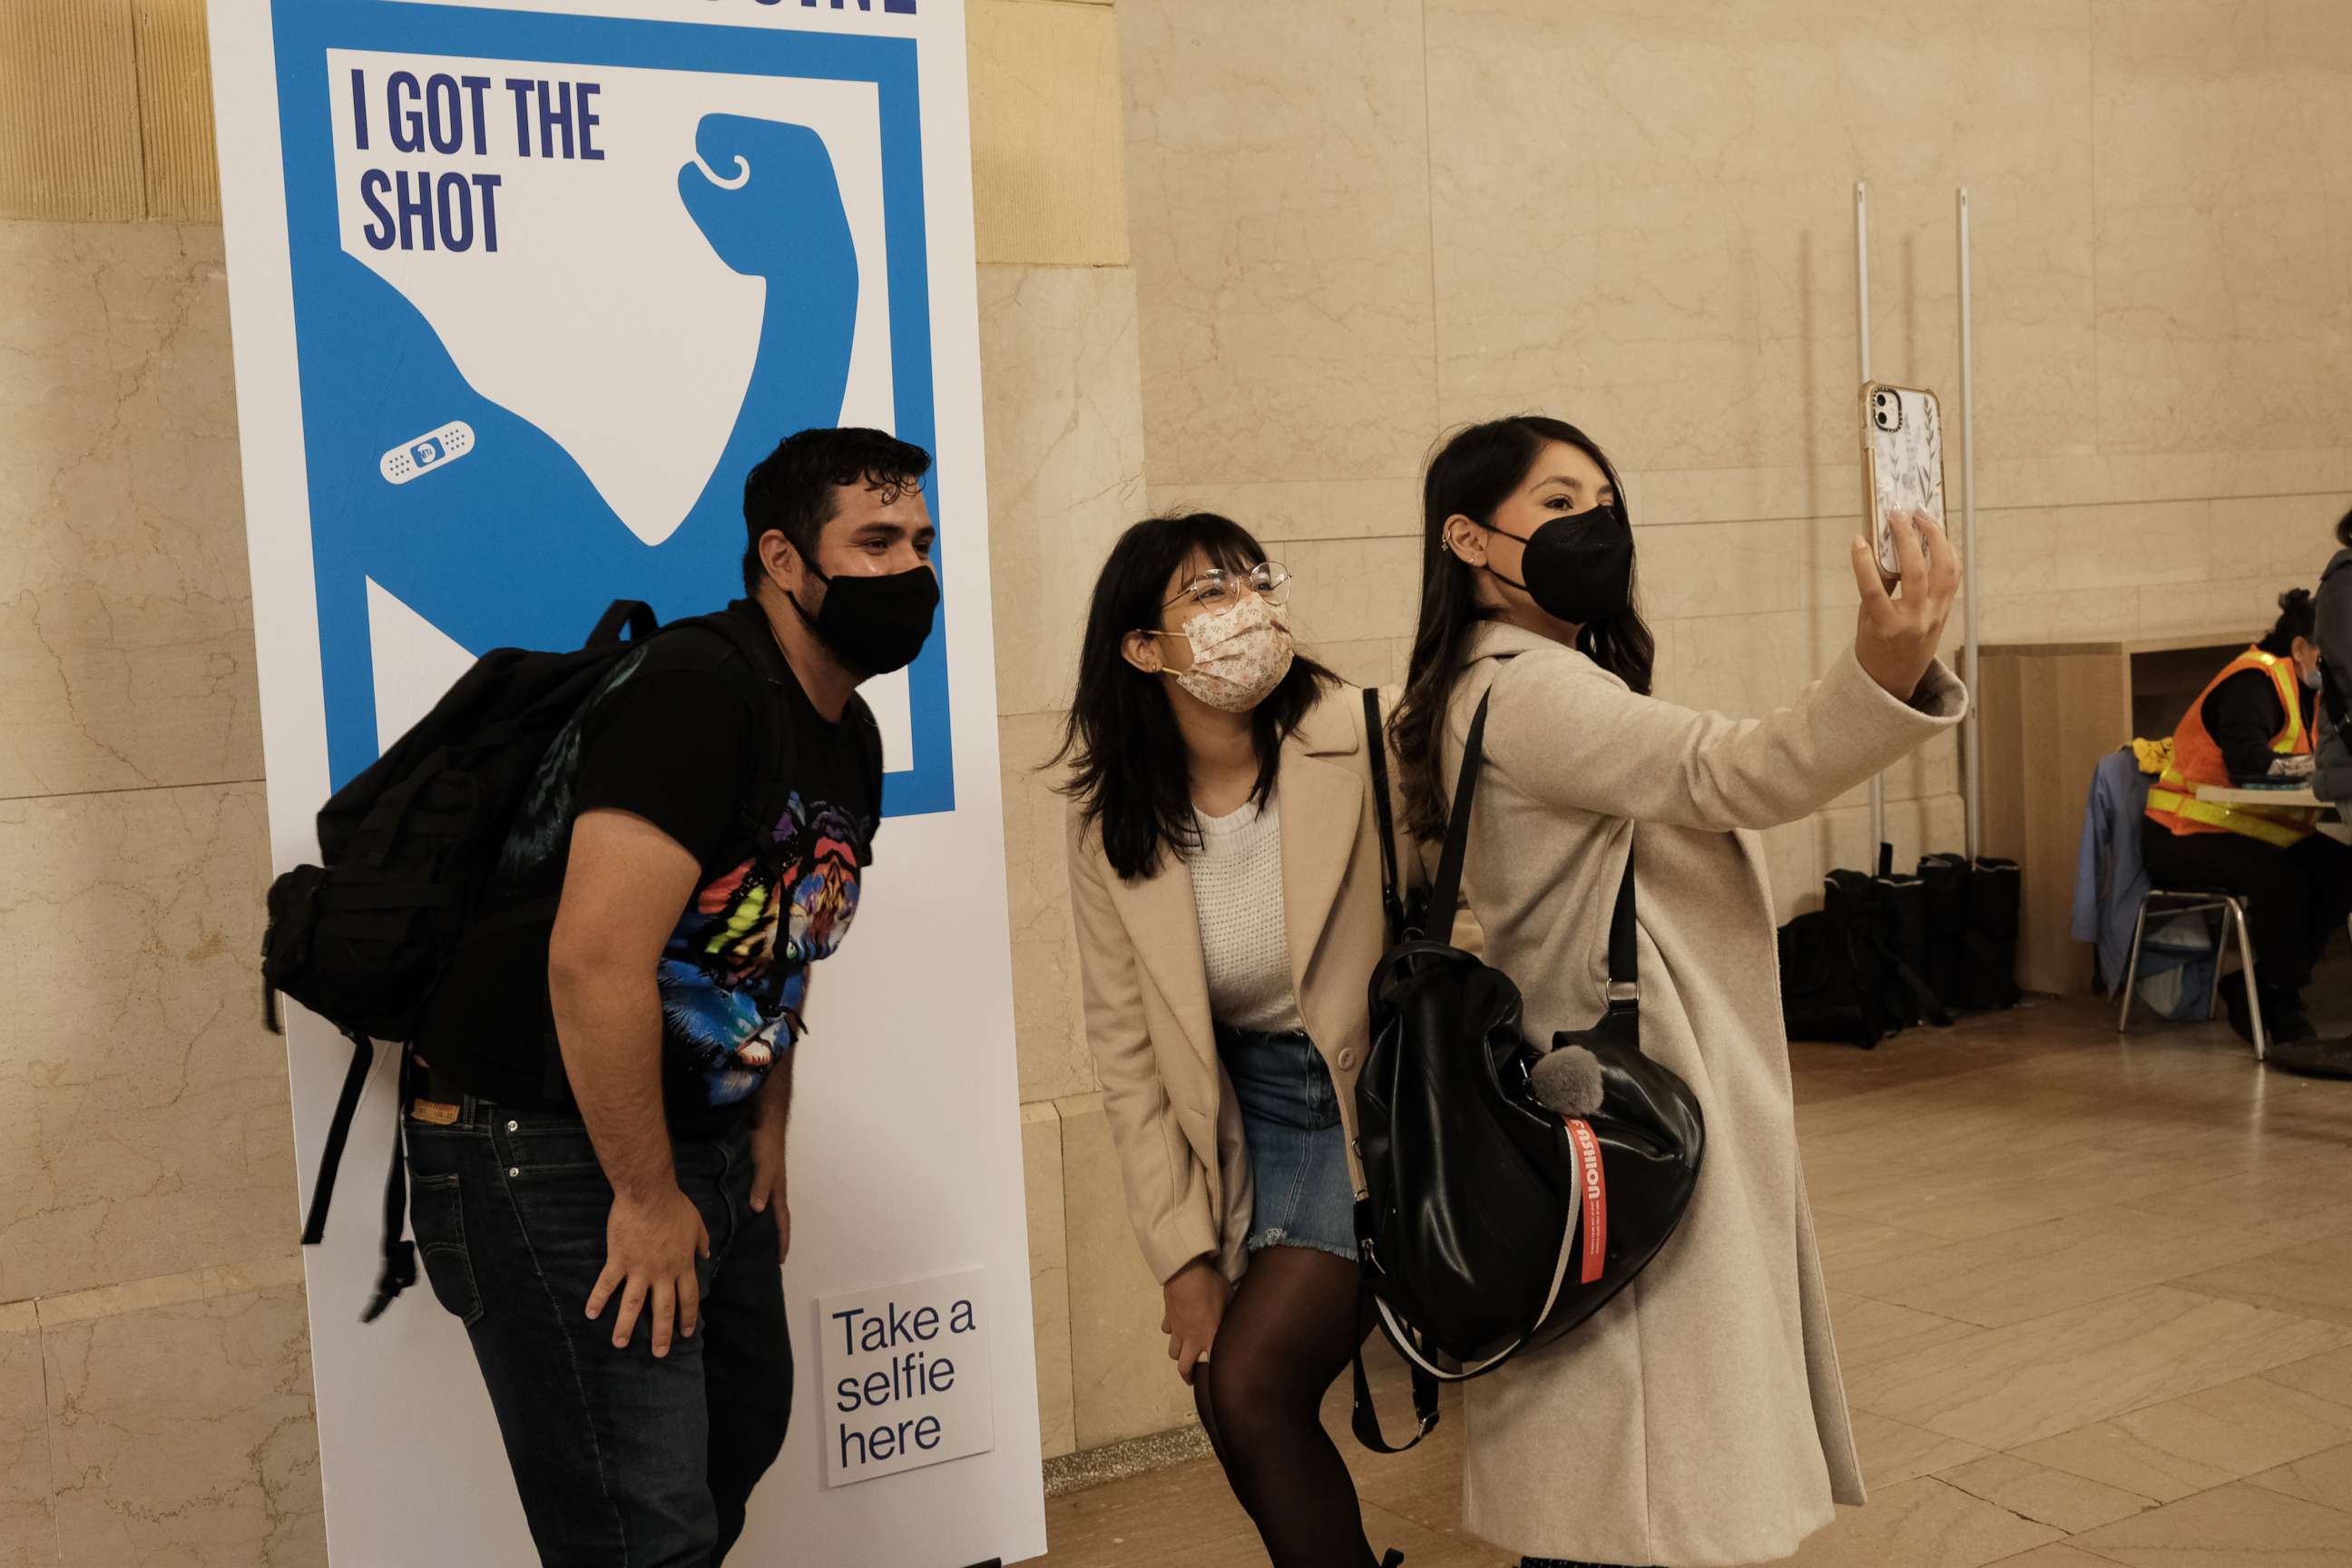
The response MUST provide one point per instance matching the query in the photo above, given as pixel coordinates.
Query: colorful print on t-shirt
(735, 974)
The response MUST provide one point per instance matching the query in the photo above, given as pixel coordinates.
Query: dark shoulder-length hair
(1474, 472)
(2298, 617)
(1129, 770)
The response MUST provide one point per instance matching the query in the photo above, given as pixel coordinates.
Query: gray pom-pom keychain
(1568, 1081)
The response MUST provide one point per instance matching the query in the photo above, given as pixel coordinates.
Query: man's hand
(651, 1244)
(1894, 635)
(768, 1182)
(1196, 1298)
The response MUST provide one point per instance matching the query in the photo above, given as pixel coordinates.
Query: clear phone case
(1902, 459)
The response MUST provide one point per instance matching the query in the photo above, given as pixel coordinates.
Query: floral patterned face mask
(1239, 654)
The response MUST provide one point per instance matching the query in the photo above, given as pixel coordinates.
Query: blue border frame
(304, 30)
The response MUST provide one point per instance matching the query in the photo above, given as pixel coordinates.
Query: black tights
(1291, 1329)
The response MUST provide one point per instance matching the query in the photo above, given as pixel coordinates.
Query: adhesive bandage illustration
(410, 458)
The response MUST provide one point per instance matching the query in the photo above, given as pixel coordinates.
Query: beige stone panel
(2045, 1496)
(2222, 326)
(2229, 609)
(1893, 1453)
(2287, 537)
(2072, 616)
(1351, 590)
(1048, 175)
(2324, 1478)
(1744, 666)
(2206, 103)
(1998, 1280)
(1870, 1331)
(1280, 510)
(2023, 479)
(28, 1531)
(126, 622)
(1063, 400)
(1049, 1273)
(2311, 1280)
(2004, 1389)
(1679, 252)
(170, 1290)
(1374, 662)
(185, 1436)
(143, 1121)
(69, 111)
(1921, 1524)
(1048, 1023)
(1723, 568)
(1278, 166)
(2046, 550)
(175, 111)
(1123, 1382)
(2226, 1528)
(1832, 487)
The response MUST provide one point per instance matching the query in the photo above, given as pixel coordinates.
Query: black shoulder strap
(633, 615)
(1392, 901)
(1445, 893)
(1624, 957)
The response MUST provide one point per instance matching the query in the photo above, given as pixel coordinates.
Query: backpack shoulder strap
(1445, 893)
(1376, 743)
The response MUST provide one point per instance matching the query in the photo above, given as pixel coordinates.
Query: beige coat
(1700, 1418)
(1172, 1115)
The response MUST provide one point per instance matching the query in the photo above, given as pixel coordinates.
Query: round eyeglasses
(1216, 588)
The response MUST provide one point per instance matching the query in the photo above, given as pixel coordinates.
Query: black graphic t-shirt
(780, 809)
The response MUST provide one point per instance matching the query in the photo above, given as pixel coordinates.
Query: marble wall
(1357, 223)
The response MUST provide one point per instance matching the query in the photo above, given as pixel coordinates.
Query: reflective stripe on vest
(2197, 760)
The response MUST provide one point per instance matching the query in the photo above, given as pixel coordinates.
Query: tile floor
(2129, 1343)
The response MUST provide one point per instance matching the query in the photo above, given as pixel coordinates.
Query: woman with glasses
(1225, 877)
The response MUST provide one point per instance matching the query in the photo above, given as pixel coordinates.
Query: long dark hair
(1129, 770)
(1475, 471)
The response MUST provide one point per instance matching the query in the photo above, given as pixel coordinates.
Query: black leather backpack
(1494, 1225)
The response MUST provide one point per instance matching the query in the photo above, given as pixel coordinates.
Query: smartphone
(1902, 461)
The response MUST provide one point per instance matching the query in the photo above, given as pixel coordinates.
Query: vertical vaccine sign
(521, 289)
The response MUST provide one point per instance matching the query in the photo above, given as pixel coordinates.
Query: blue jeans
(622, 1461)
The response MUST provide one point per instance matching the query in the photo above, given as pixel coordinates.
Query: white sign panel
(906, 1375)
(520, 290)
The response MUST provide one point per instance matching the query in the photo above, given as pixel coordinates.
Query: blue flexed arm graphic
(513, 544)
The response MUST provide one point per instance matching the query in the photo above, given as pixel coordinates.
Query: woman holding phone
(1225, 879)
(1700, 1418)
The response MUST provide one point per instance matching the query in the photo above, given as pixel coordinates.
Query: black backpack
(407, 848)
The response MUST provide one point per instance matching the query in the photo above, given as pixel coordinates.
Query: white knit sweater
(1237, 892)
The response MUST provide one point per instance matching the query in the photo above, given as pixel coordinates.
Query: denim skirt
(1297, 1147)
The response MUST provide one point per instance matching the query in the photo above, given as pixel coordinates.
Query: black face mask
(1578, 565)
(875, 625)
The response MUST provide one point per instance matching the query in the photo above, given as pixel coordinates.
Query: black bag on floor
(1851, 971)
(1971, 960)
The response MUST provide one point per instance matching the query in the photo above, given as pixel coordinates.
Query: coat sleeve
(1575, 738)
(1167, 1189)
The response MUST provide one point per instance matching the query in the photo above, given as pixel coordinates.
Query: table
(2335, 826)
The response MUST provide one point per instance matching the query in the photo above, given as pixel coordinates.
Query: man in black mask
(596, 1132)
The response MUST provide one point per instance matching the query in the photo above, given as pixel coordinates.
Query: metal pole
(1971, 731)
(1862, 297)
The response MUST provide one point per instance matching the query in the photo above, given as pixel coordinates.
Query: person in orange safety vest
(2253, 724)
